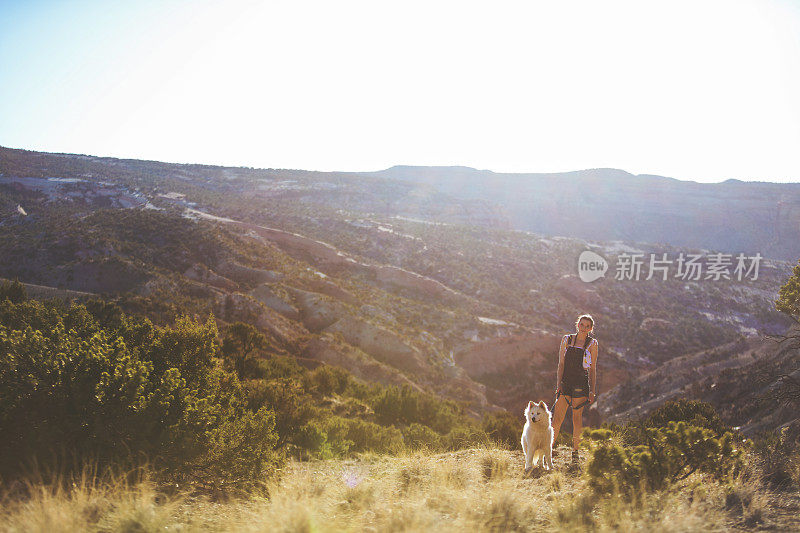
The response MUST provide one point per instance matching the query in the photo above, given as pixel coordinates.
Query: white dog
(537, 436)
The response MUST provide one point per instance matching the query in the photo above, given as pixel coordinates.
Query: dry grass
(87, 504)
(471, 490)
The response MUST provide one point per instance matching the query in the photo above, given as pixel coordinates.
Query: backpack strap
(572, 337)
(587, 342)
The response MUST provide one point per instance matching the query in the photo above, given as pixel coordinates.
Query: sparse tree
(789, 296)
(239, 342)
(13, 291)
(788, 302)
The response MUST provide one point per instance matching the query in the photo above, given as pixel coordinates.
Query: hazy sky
(701, 90)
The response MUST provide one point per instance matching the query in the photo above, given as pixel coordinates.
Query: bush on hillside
(696, 413)
(651, 457)
(419, 437)
(125, 394)
(354, 435)
(404, 405)
(503, 428)
(292, 405)
(14, 291)
(327, 380)
(277, 366)
(789, 295)
(239, 342)
(777, 453)
(464, 436)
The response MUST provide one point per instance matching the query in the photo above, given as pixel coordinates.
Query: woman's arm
(561, 350)
(593, 370)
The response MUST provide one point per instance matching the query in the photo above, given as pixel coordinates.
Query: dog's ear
(530, 403)
(542, 404)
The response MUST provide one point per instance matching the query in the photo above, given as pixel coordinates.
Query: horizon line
(399, 165)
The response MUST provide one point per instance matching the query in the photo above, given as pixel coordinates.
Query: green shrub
(694, 413)
(503, 428)
(464, 436)
(73, 389)
(416, 437)
(293, 407)
(312, 441)
(789, 295)
(700, 414)
(402, 406)
(779, 459)
(598, 435)
(238, 343)
(327, 380)
(360, 436)
(14, 291)
(277, 366)
(668, 454)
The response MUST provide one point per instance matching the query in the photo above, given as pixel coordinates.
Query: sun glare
(702, 91)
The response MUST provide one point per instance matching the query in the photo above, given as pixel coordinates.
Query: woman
(577, 378)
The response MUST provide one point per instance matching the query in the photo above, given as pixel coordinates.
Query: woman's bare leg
(577, 423)
(559, 413)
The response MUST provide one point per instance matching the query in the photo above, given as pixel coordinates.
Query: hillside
(389, 278)
(732, 215)
(262, 349)
(612, 204)
(742, 379)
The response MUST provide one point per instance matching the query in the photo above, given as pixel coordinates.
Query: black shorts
(580, 390)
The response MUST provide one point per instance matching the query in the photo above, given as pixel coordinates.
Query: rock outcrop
(362, 366)
(316, 310)
(334, 291)
(203, 274)
(417, 284)
(500, 354)
(283, 332)
(380, 343)
(265, 295)
(327, 256)
(247, 275)
(579, 292)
